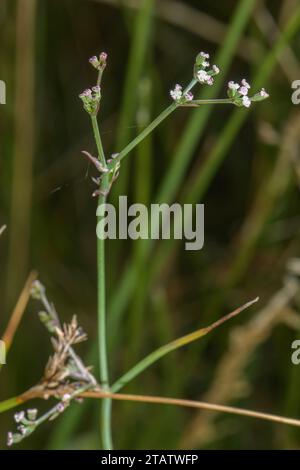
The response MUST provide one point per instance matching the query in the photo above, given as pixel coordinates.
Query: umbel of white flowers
(204, 74)
(238, 93)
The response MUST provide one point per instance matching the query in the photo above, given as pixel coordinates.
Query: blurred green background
(244, 165)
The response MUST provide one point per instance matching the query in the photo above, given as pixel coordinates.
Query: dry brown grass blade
(194, 404)
(35, 393)
(18, 311)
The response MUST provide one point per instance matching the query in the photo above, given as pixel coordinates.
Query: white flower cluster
(238, 93)
(179, 96)
(202, 72)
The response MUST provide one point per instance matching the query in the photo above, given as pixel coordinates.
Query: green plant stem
(10, 403)
(146, 131)
(98, 141)
(103, 359)
(102, 347)
(162, 116)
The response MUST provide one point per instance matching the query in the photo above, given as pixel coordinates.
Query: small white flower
(210, 80)
(246, 101)
(243, 90)
(233, 86)
(176, 94)
(205, 64)
(202, 76)
(216, 69)
(245, 83)
(205, 55)
(19, 416)
(263, 93)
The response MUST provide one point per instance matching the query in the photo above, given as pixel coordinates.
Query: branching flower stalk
(109, 170)
(91, 102)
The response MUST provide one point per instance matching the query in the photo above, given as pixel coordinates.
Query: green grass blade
(172, 346)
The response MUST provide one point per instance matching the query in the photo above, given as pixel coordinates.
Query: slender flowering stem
(162, 116)
(102, 345)
(103, 360)
(147, 131)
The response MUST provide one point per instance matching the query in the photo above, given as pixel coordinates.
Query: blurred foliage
(251, 204)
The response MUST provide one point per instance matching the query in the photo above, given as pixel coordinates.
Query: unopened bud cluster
(91, 99)
(99, 62)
